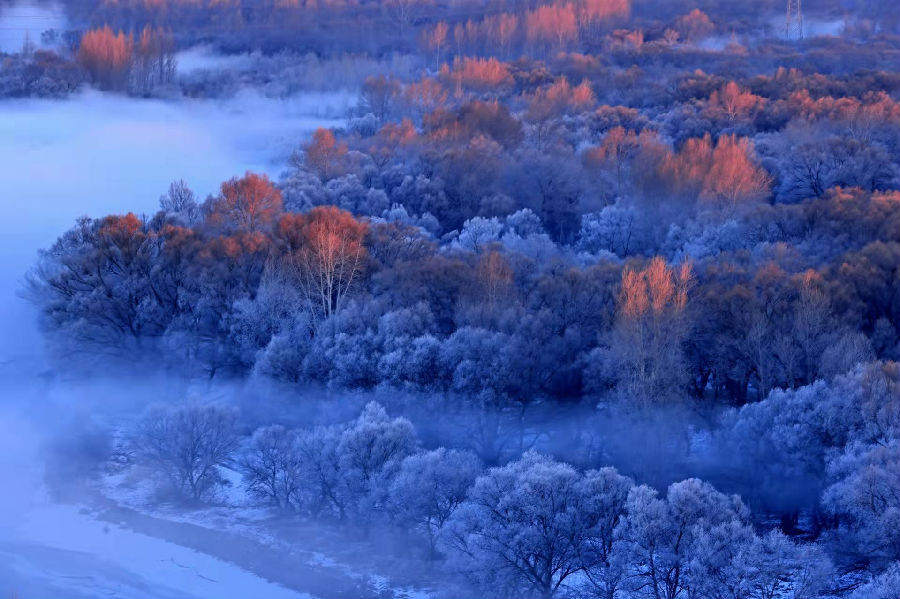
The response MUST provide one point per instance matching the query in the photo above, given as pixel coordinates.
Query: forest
(589, 298)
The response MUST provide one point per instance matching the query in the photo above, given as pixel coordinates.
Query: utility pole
(793, 22)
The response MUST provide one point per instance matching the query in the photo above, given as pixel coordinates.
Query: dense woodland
(663, 211)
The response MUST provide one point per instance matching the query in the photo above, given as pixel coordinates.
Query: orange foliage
(248, 204)
(733, 102)
(435, 39)
(390, 139)
(694, 26)
(325, 247)
(725, 176)
(656, 290)
(873, 107)
(560, 98)
(473, 125)
(483, 75)
(425, 96)
(551, 23)
(106, 56)
(619, 148)
(733, 176)
(590, 11)
(124, 233)
(324, 155)
(627, 39)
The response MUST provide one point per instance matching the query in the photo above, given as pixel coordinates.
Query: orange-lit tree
(106, 56)
(249, 204)
(325, 252)
(650, 329)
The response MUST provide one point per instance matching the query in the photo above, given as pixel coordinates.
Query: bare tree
(326, 252)
(272, 466)
(187, 444)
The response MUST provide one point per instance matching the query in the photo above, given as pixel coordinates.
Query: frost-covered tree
(865, 494)
(730, 561)
(884, 586)
(606, 492)
(187, 444)
(323, 488)
(527, 527)
(180, 203)
(369, 453)
(798, 435)
(661, 535)
(429, 487)
(272, 467)
(613, 230)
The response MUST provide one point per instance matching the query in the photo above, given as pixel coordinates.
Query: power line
(793, 23)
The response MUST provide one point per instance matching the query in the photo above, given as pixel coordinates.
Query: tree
(884, 586)
(403, 12)
(250, 204)
(651, 326)
(486, 76)
(694, 26)
(865, 494)
(611, 230)
(592, 11)
(106, 57)
(495, 279)
(323, 488)
(733, 178)
(154, 60)
(617, 152)
(371, 451)
(548, 105)
(661, 535)
(724, 177)
(325, 251)
(790, 435)
(180, 203)
(187, 444)
(732, 103)
(606, 493)
(813, 159)
(100, 284)
(324, 155)
(272, 467)
(435, 40)
(551, 23)
(502, 28)
(729, 561)
(429, 487)
(526, 528)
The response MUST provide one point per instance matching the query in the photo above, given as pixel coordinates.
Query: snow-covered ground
(314, 558)
(49, 549)
(60, 550)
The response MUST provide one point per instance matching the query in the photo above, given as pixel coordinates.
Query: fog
(595, 346)
(204, 57)
(96, 154)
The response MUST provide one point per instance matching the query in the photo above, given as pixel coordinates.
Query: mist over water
(98, 154)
